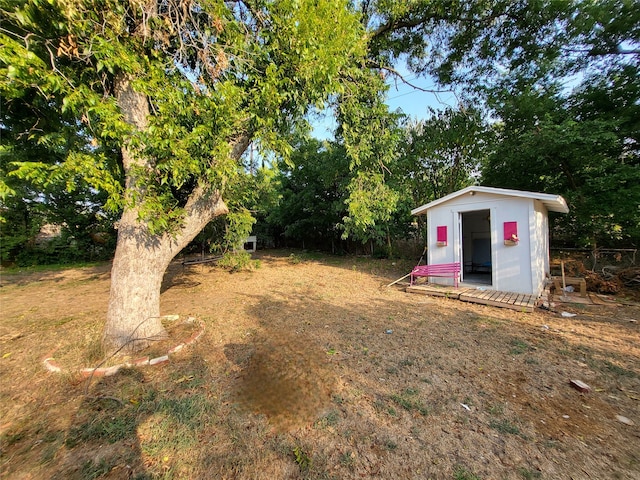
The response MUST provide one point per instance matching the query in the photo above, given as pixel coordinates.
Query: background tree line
(550, 103)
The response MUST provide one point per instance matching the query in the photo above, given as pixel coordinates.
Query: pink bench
(438, 270)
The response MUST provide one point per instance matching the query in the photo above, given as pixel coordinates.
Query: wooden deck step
(495, 298)
(515, 301)
(436, 291)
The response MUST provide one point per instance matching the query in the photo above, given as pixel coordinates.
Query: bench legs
(455, 278)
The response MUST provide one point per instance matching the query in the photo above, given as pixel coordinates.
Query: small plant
(403, 402)
(551, 444)
(518, 347)
(380, 406)
(347, 459)
(407, 362)
(409, 403)
(91, 470)
(329, 420)
(294, 259)
(302, 458)
(504, 426)
(461, 473)
(529, 474)
(238, 261)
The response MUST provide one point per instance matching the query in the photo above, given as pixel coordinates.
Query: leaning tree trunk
(141, 258)
(133, 316)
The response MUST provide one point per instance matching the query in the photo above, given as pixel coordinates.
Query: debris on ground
(625, 420)
(580, 386)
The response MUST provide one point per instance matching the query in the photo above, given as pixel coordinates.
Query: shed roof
(554, 203)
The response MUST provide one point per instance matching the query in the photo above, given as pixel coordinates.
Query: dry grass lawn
(310, 368)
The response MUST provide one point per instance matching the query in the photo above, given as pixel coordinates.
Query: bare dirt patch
(309, 368)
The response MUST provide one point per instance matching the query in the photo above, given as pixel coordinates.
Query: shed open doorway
(476, 247)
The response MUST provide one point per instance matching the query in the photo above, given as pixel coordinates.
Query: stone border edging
(51, 365)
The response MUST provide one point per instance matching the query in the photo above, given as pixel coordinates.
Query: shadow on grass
(140, 425)
(195, 419)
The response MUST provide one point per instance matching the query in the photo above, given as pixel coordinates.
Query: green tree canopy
(312, 193)
(445, 152)
(166, 95)
(584, 147)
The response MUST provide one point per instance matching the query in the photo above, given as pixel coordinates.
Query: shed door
(476, 246)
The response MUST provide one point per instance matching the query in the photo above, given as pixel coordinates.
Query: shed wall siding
(512, 263)
(513, 266)
(540, 252)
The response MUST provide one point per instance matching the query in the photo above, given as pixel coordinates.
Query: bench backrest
(437, 268)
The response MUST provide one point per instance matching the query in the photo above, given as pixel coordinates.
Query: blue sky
(411, 101)
(414, 102)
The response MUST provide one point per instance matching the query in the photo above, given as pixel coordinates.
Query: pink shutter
(442, 235)
(511, 231)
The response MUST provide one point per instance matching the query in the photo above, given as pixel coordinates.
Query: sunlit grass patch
(461, 473)
(170, 430)
(409, 401)
(518, 347)
(504, 426)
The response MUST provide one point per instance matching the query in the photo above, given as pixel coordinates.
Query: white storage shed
(500, 237)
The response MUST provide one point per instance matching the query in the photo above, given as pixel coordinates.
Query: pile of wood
(572, 268)
(618, 274)
(596, 282)
(612, 279)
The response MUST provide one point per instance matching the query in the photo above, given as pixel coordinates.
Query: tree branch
(418, 19)
(240, 145)
(621, 51)
(205, 202)
(598, 51)
(404, 80)
(397, 24)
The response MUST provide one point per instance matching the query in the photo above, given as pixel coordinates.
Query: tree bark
(141, 258)
(133, 315)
